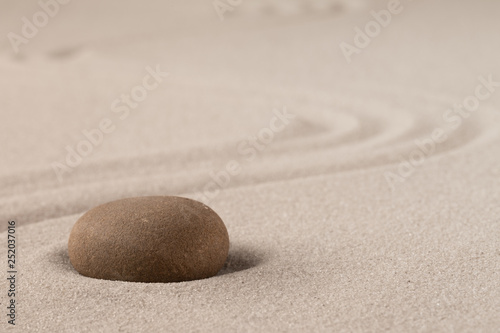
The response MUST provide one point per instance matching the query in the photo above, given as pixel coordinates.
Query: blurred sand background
(321, 241)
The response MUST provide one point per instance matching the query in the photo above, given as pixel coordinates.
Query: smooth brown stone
(149, 239)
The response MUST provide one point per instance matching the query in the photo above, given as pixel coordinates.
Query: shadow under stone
(240, 258)
(60, 260)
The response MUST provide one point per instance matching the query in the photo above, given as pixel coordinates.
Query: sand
(338, 221)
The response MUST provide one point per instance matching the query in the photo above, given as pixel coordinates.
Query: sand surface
(320, 239)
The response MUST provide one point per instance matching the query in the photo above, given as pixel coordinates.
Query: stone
(149, 239)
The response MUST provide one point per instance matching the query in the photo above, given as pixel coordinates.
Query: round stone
(149, 239)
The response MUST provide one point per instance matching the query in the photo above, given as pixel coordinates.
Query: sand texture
(351, 217)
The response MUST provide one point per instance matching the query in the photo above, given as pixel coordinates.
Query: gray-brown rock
(149, 239)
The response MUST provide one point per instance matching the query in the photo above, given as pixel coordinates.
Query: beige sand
(320, 241)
